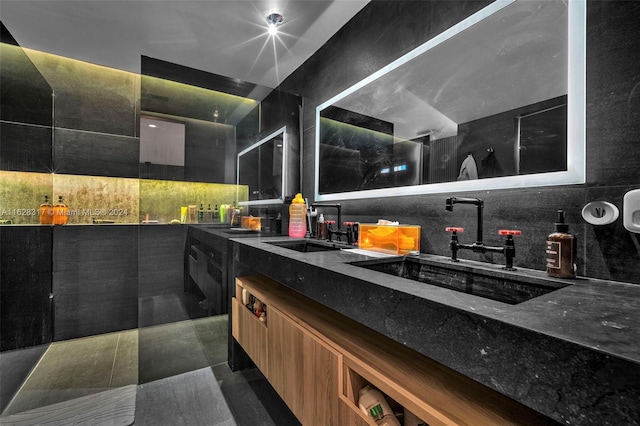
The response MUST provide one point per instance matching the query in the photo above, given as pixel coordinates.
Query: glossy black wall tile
(26, 111)
(161, 260)
(25, 277)
(369, 42)
(205, 151)
(95, 279)
(25, 148)
(95, 154)
(91, 97)
(25, 96)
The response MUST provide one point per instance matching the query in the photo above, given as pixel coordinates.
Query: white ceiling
(225, 37)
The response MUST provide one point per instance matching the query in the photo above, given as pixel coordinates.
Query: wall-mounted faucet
(351, 233)
(480, 207)
(509, 248)
(336, 206)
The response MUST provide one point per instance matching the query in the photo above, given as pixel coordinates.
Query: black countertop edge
(600, 315)
(571, 354)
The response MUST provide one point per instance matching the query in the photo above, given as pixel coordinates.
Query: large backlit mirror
(261, 168)
(496, 101)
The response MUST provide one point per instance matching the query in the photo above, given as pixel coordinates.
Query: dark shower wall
(385, 30)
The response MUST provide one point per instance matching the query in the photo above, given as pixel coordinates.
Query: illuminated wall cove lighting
(274, 20)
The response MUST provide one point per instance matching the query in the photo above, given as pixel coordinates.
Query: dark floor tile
(212, 333)
(252, 399)
(192, 398)
(169, 350)
(73, 369)
(14, 369)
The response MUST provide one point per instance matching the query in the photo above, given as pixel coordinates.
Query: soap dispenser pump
(321, 228)
(562, 250)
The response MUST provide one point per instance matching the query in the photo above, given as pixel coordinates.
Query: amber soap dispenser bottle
(562, 251)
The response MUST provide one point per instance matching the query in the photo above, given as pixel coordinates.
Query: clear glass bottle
(208, 215)
(201, 214)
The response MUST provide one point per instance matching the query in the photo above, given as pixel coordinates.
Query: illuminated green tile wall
(21, 194)
(162, 199)
(97, 198)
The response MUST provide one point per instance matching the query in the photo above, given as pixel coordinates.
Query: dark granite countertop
(573, 353)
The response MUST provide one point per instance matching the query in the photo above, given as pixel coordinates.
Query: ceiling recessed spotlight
(274, 20)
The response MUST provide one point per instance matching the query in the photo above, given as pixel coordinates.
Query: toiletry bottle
(278, 227)
(321, 228)
(201, 214)
(373, 404)
(562, 251)
(208, 215)
(60, 212)
(223, 213)
(215, 212)
(45, 213)
(297, 217)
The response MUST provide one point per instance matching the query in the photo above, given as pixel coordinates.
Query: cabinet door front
(250, 333)
(304, 371)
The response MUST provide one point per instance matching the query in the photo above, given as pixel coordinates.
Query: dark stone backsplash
(385, 30)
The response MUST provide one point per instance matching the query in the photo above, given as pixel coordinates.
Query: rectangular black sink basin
(494, 285)
(307, 246)
(240, 231)
(234, 231)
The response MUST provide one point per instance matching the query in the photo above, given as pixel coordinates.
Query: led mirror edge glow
(283, 131)
(576, 117)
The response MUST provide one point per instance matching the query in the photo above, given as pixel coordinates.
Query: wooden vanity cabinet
(303, 370)
(251, 333)
(318, 360)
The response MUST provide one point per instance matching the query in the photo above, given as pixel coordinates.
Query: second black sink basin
(306, 246)
(241, 231)
(495, 285)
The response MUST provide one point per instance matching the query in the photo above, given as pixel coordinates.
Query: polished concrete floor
(179, 369)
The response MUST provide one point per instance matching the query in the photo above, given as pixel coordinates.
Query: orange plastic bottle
(60, 212)
(297, 217)
(45, 213)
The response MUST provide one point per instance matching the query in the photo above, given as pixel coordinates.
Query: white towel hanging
(469, 169)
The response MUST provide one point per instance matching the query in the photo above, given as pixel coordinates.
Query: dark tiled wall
(21, 122)
(95, 280)
(385, 30)
(25, 274)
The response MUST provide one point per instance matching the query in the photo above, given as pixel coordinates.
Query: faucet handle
(509, 247)
(509, 232)
(453, 229)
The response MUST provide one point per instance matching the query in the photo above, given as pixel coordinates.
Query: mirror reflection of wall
(488, 100)
(211, 121)
(161, 147)
(261, 168)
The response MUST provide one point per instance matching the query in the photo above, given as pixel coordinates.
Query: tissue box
(393, 239)
(251, 222)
